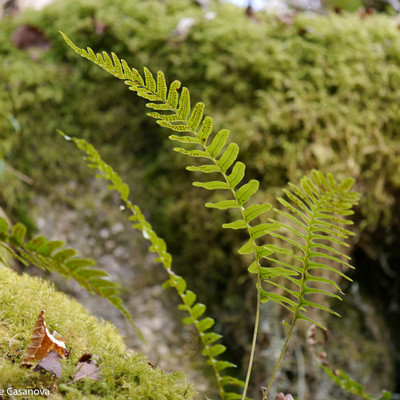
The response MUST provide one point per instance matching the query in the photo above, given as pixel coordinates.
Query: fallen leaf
(51, 363)
(42, 342)
(87, 368)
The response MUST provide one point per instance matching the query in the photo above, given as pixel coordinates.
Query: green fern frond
(173, 110)
(315, 245)
(352, 386)
(195, 309)
(315, 201)
(49, 255)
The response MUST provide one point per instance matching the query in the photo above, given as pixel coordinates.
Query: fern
(351, 386)
(50, 256)
(195, 309)
(316, 208)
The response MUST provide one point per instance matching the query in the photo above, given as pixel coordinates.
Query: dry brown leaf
(51, 363)
(87, 368)
(42, 342)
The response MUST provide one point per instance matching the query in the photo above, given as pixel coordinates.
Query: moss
(316, 91)
(125, 374)
(320, 91)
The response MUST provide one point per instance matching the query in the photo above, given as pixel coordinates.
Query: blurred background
(300, 84)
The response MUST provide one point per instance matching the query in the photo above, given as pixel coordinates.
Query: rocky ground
(89, 220)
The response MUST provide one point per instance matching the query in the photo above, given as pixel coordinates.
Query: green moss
(316, 92)
(125, 374)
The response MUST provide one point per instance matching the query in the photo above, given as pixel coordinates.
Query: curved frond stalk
(318, 209)
(51, 256)
(158, 246)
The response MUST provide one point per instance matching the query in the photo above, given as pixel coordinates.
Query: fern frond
(175, 113)
(50, 256)
(350, 385)
(173, 110)
(316, 200)
(158, 246)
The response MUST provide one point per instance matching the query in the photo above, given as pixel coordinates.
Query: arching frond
(51, 256)
(173, 110)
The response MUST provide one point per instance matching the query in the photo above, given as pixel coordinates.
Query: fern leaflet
(317, 209)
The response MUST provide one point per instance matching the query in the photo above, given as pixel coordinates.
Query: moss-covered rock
(297, 93)
(125, 374)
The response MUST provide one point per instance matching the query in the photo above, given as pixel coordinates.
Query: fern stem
(278, 363)
(305, 259)
(254, 342)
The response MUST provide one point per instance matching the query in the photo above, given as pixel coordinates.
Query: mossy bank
(124, 373)
(308, 92)
(298, 92)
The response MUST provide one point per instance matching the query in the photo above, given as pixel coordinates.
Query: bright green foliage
(318, 206)
(317, 209)
(158, 246)
(125, 374)
(50, 256)
(220, 156)
(327, 99)
(348, 384)
(321, 92)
